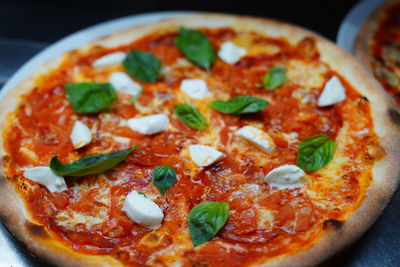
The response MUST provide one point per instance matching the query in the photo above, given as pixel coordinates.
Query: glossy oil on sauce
(264, 222)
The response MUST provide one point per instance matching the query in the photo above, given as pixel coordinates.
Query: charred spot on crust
(14, 177)
(378, 59)
(3, 180)
(394, 116)
(331, 223)
(6, 159)
(3, 219)
(36, 230)
(365, 98)
(200, 264)
(375, 151)
(307, 48)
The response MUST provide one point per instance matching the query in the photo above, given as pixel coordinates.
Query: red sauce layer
(387, 35)
(45, 119)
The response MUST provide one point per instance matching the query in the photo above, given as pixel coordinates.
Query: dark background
(50, 20)
(46, 21)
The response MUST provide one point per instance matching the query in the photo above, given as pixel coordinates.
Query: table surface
(379, 246)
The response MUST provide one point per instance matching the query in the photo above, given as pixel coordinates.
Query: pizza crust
(338, 234)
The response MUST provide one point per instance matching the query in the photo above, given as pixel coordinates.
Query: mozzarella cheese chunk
(257, 137)
(45, 176)
(195, 88)
(291, 137)
(204, 155)
(231, 53)
(110, 59)
(123, 83)
(286, 176)
(142, 210)
(80, 135)
(149, 124)
(332, 93)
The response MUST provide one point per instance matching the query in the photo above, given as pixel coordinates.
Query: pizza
(377, 45)
(201, 140)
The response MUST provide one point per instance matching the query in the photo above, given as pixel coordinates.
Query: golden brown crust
(338, 235)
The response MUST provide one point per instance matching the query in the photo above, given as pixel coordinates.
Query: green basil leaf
(315, 152)
(196, 47)
(274, 78)
(143, 194)
(144, 66)
(92, 164)
(164, 177)
(239, 105)
(136, 97)
(190, 116)
(206, 219)
(90, 98)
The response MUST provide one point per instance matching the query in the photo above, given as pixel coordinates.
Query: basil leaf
(315, 152)
(196, 47)
(143, 194)
(190, 116)
(206, 219)
(239, 105)
(92, 164)
(144, 66)
(89, 98)
(274, 78)
(164, 177)
(136, 97)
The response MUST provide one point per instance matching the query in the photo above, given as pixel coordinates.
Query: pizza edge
(361, 45)
(385, 173)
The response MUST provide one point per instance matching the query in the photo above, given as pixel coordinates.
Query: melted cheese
(204, 155)
(286, 176)
(231, 53)
(45, 176)
(150, 124)
(237, 178)
(257, 137)
(307, 74)
(109, 59)
(72, 219)
(332, 93)
(195, 88)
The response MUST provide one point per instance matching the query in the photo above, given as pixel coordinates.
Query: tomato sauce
(44, 119)
(386, 35)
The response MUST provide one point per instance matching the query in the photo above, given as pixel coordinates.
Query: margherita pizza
(378, 46)
(202, 140)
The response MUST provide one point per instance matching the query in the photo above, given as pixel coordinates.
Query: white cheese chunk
(195, 88)
(291, 137)
(332, 93)
(142, 210)
(286, 176)
(45, 176)
(231, 53)
(123, 83)
(149, 124)
(80, 135)
(204, 155)
(257, 137)
(110, 59)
